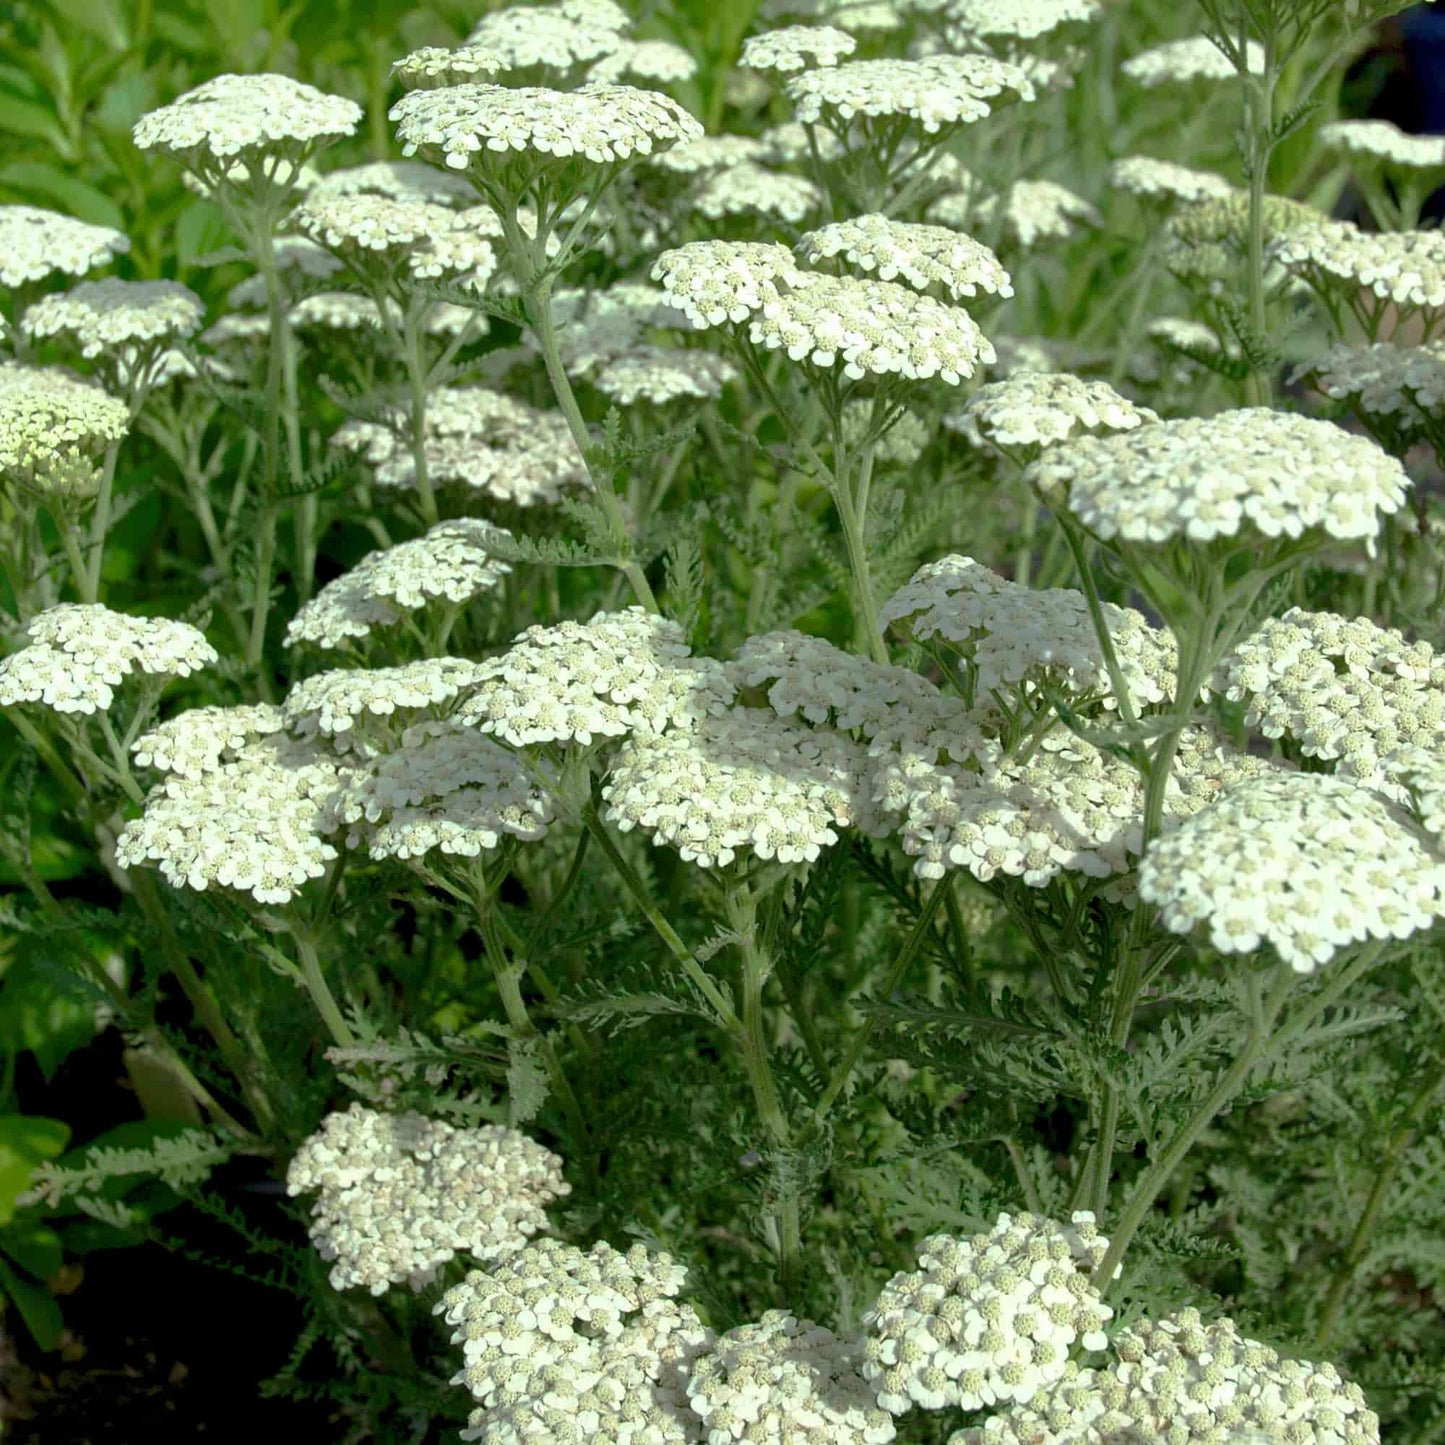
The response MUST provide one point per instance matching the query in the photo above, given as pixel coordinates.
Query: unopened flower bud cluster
(989, 1319)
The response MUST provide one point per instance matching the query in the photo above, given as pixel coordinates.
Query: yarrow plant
(748, 709)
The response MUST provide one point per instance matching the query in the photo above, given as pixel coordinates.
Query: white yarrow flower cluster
(748, 189)
(36, 243)
(659, 61)
(744, 778)
(483, 440)
(559, 1345)
(1276, 473)
(939, 92)
(1026, 638)
(1380, 142)
(477, 126)
(400, 1195)
(396, 181)
(256, 824)
(716, 282)
(1181, 62)
(1155, 179)
(1188, 1383)
(619, 673)
(1014, 20)
(876, 328)
(551, 37)
(787, 1381)
(921, 256)
(709, 153)
(333, 704)
(446, 787)
(79, 653)
(200, 739)
(1420, 773)
(1343, 689)
(246, 118)
(1403, 268)
(110, 317)
(661, 374)
(989, 1319)
(54, 428)
(422, 240)
(1306, 863)
(796, 47)
(1032, 409)
(451, 563)
(1034, 211)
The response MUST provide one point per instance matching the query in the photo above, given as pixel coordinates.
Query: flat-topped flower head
(989, 1319)
(796, 47)
(445, 787)
(743, 778)
(788, 144)
(345, 703)
(577, 682)
(1341, 689)
(397, 181)
(1187, 1382)
(927, 258)
(748, 189)
(1272, 473)
(709, 153)
(659, 62)
(414, 240)
(434, 66)
(1016, 20)
(716, 282)
(661, 374)
(561, 1345)
(79, 653)
(1152, 179)
(451, 563)
(477, 439)
(335, 311)
(865, 328)
(125, 325)
(401, 1195)
(1033, 409)
(1303, 862)
(506, 138)
(1065, 807)
(200, 739)
(257, 824)
(269, 124)
(36, 243)
(1419, 773)
(1023, 638)
(1380, 143)
(54, 428)
(1400, 269)
(1394, 390)
(1182, 62)
(555, 37)
(1034, 211)
(939, 93)
(785, 1379)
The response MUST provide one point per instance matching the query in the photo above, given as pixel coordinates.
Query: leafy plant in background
(795, 769)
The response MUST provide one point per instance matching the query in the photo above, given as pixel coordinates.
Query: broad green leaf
(27, 118)
(34, 1246)
(50, 185)
(38, 1016)
(24, 1141)
(36, 1306)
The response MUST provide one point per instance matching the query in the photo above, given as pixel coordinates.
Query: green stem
(416, 375)
(265, 257)
(1259, 92)
(321, 995)
(89, 582)
(1389, 1167)
(1260, 1045)
(900, 966)
(539, 311)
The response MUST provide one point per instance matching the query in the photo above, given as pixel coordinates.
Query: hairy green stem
(899, 967)
(1424, 1102)
(321, 995)
(89, 582)
(1261, 1044)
